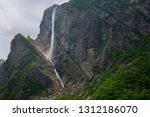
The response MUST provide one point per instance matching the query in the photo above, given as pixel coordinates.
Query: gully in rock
(52, 45)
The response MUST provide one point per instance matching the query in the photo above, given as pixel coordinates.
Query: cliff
(100, 47)
(87, 37)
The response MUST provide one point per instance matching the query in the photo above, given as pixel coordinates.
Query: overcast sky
(21, 16)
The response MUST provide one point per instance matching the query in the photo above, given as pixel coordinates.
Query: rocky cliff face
(86, 40)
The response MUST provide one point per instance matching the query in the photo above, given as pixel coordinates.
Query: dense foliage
(130, 80)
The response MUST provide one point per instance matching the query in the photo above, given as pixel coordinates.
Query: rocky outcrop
(26, 72)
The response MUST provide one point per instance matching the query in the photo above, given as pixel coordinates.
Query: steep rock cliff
(88, 38)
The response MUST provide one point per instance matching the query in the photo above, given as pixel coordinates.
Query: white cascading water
(52, 45)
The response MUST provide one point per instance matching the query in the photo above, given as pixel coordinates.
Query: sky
(21, 16)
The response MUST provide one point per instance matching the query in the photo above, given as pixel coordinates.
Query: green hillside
(129, 76)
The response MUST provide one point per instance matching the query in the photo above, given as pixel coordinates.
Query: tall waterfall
(52, 45)
(53, 33)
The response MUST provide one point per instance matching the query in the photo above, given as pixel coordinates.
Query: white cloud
(21, 16)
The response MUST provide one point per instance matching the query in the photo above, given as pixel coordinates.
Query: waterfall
(52, 45)
(53, 33)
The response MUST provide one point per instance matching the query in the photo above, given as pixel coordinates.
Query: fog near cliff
(21, 16)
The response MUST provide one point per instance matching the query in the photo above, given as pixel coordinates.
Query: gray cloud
(21, 16)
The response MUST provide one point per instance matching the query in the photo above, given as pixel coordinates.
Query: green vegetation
(128, 78)
(21, 88)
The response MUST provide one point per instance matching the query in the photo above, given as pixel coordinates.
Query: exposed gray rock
(87, 40)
